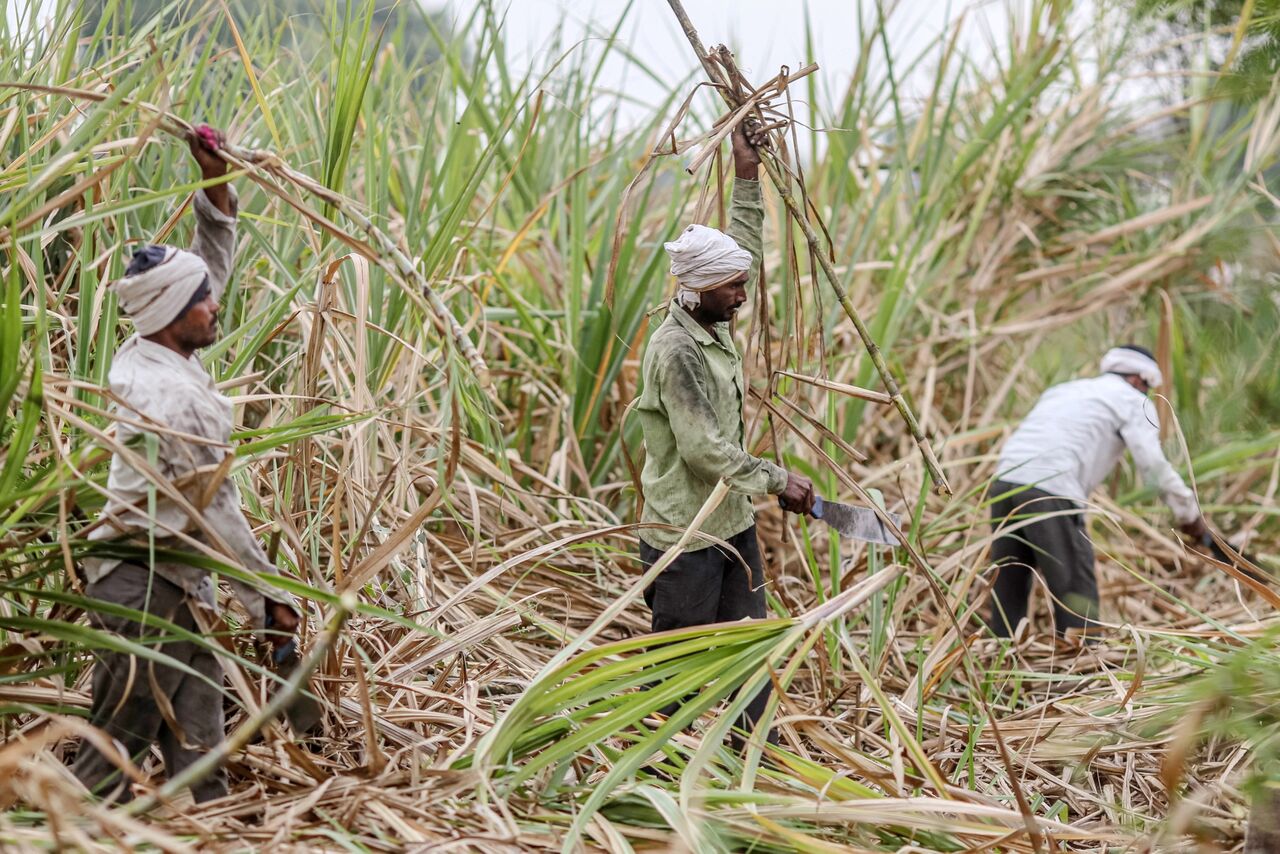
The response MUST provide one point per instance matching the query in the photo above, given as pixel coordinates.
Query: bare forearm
(206, 143)
(746, 220)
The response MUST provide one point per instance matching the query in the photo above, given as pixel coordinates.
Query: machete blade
(860, 523)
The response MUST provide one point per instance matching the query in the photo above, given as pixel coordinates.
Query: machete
(1220, 554)
(860, 523)
(303, 711)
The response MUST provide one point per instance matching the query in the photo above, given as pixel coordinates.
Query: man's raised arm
(746, 214)
(216, 208)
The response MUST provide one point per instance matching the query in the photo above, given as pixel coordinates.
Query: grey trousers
(711, 586)
(1057, 548)
(128, 692)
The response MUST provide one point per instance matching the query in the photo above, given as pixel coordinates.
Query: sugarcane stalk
(391, 258)
(729, 92)
(386, 253)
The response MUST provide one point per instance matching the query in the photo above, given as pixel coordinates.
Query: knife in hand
(860, 523)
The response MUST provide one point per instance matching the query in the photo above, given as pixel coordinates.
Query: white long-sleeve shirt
(1078, 431)
(158, 385)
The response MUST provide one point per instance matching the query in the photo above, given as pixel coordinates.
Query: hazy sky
(764, 34)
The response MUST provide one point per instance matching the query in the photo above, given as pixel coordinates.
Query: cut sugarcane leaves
(412, 184)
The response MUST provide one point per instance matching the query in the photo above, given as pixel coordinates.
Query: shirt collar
(162, 355)
(1124, 382)
(696, 329)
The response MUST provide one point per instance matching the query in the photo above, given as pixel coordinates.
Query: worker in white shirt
(172, 422)
(1066, 447)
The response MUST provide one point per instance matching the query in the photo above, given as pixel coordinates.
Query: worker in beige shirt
(173, 429)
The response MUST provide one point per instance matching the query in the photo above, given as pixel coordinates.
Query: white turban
(1122, 360)
(155, 297)
(703, 258)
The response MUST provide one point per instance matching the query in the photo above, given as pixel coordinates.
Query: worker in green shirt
(690, 410)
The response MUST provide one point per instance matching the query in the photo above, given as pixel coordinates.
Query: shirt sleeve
(224, 515)
(746, 221)
(1141, 434)
(197, 467)
(711, 455)
(215, 238)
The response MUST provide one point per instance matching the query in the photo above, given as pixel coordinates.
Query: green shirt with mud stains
(690, 410)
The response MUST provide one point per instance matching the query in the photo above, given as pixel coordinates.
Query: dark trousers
(128, 692)
(1262, 834)
(711, 586)
(1057, 548)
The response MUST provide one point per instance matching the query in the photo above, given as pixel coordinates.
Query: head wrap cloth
(704, 258)
(155, 297)
(1121, 360)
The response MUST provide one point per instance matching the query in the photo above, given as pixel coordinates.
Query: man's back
(1073, 437)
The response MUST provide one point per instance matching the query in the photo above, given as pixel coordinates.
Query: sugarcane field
(674, 425)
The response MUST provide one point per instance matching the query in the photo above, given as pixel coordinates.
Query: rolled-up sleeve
(746, 221)
(225, 516)
(1141, 434)
(215, 239)
(701, 443)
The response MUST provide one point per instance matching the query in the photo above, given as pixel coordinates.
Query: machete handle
(284, 651)
(816, 512)
(1220, 554)
(281, 653)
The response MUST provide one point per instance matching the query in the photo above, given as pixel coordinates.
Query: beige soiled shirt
(157, 385)
(690, 409)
